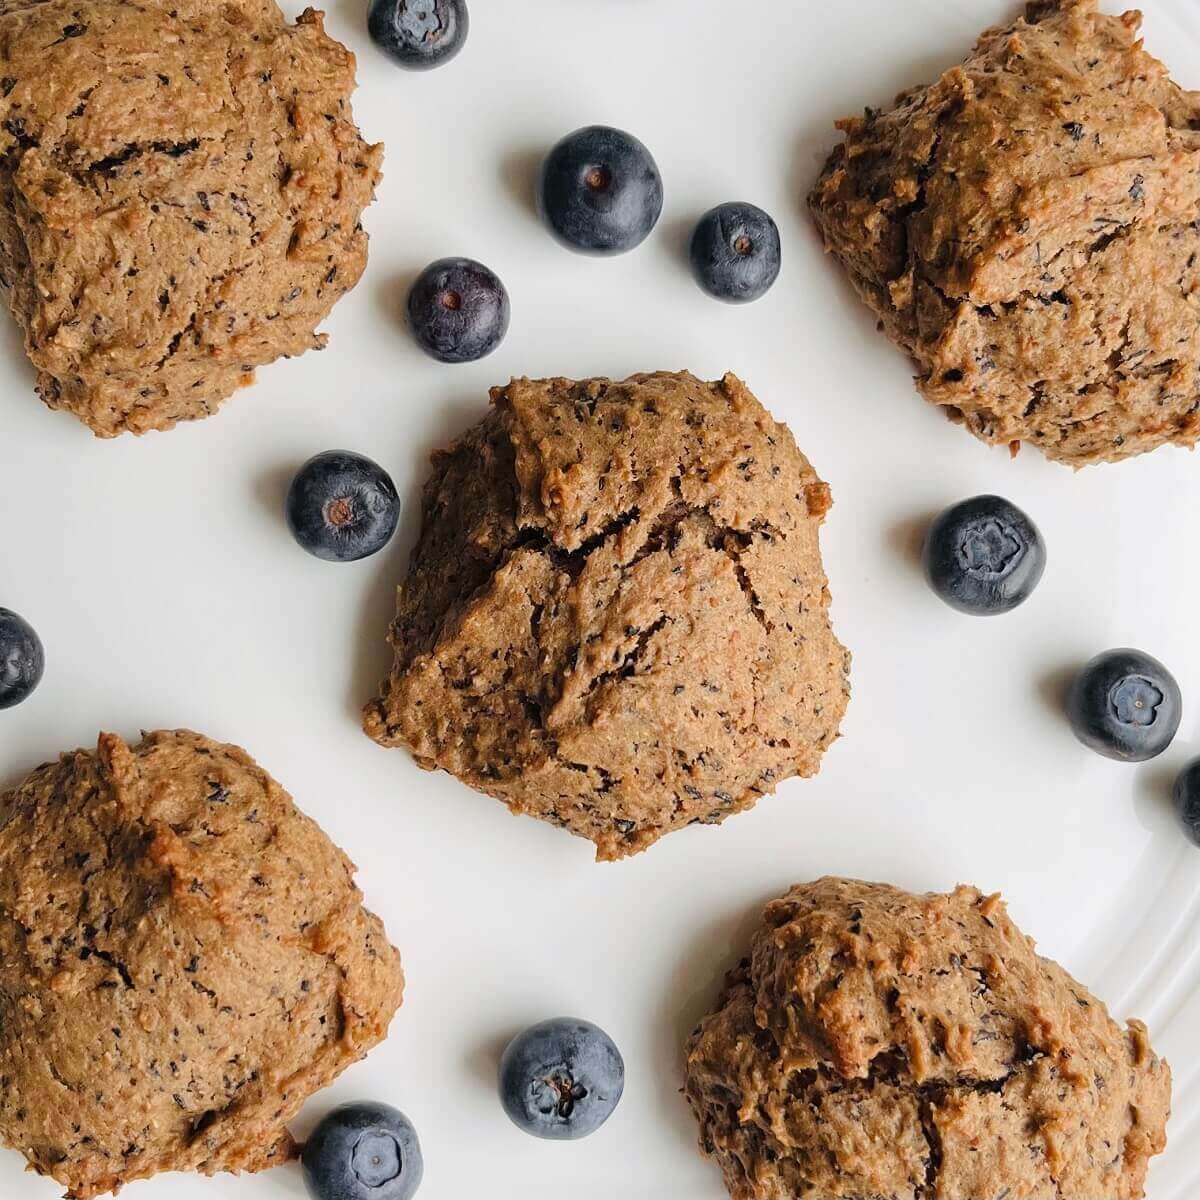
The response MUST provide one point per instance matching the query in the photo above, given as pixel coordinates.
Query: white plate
(168, 592)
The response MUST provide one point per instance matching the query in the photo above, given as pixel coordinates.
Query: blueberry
(363, 1151)
(983, 556)
(1187, 799)
(735, 252)
(22, 659)
(1125, 705)
(600, 191)
(419, 34)
(342, 506)
(458, 310)
(561, 1079)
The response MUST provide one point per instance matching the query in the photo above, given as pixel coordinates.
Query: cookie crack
(730, 541)
(933, 1141)
(106, 956)
(628, 665)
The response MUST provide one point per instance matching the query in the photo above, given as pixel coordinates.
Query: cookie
(1028, 230)
(616, 618)
(877, 1043)
(180, 192)
(184, 959)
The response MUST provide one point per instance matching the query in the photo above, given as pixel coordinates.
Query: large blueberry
(458, 310)
(363, 1151)
(342, 506)
(419, 34)
(22, 659)
(561, 1079)
(1125, 705)
(735, 252)
(984, 556)
(1187, 799)
(600, 191)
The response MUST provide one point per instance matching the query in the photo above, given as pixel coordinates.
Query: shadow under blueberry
(271, 487)
(691, 992)
(1052, 687)
(907, 538)
(390, 291)
(519, 169)
(1153, 794)
(482, 1060)
(676, 233)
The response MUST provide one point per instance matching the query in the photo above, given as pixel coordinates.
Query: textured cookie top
(1025, 228)
(184, 959)
(615, 617)
(878, 1043)
(180, 192)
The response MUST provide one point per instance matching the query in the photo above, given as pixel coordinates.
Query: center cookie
(616, 617)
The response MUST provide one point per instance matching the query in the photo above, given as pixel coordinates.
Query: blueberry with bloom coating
(364, 1151)
(983, 556)
(1125, 705)
(341, 506)
(600, 191)
(735, 252)
(561, 1079)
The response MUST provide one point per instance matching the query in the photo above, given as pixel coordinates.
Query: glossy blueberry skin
(735, 253)
(599, 191)
(983, 556)
(1187, 799)
(458, 310)
(22, 659)
(342, 506)
(419, 34)
(1125, 705)
(561, 1079)
(363, 1151)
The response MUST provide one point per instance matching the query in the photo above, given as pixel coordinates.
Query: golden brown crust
(184, 959)
(878, 1043)
(616, 617)
(1026, 228)
(180, 192)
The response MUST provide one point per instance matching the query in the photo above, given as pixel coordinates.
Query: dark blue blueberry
(1125, 705)
(1187, 799)
(984, 556)
(22, 659)
(363, 1151)
(600, 191)
(458, 310)
(419, 34)
(735, 252)
(561, 1079)
(342, 506)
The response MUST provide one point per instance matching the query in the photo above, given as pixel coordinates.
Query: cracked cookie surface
(180, 191)
(1028, 229)
(904, 1047)
(616, 618)
(184, 959)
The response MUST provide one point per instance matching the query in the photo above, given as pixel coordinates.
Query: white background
(168, 592)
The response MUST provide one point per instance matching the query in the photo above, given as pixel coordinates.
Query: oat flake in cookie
(877, 1043)
(1027, 229)
(184, 960)
(181, 183)
(615, 618)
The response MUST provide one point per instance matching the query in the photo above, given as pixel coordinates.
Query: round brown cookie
(1027, 229)
(184, 959)
(877, 1043)
(615, 618)
(180, 190)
